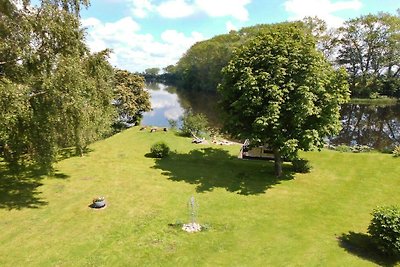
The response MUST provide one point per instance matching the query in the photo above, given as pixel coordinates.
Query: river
(377, 126)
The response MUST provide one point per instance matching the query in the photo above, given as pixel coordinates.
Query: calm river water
(377, 126)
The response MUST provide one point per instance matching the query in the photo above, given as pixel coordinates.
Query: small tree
(194, 124)
(279, 90)
(173, 124)
(130, 97)
(152, 71)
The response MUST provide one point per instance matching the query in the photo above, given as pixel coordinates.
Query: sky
(156, 33)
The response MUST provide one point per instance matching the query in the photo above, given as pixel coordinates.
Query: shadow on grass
(69, 152)
(20, 189)
(211, 168)
(361, 245)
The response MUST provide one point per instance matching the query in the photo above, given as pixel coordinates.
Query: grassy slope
(255, 219)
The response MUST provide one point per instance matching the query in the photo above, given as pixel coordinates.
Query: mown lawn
(315, 219)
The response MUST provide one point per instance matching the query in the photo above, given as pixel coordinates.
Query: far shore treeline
(368, 47)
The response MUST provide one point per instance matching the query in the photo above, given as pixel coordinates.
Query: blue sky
(155, 33)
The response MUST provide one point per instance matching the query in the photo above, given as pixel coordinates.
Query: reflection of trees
(198, 102)
(375, 126)
(201, 102)
(153, 86)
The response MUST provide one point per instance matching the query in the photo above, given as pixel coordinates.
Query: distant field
(254, 218)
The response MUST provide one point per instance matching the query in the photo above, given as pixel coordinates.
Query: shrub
(194, 124)
(301, 165)
(159, 150)
(360, 148)
(173, 124)
(385, 229)
(396, 151)
(343, 148)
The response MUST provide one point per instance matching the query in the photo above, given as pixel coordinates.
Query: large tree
(130, 98)
(370, 51)
(200, 67)
(54, 93)
(280, 91)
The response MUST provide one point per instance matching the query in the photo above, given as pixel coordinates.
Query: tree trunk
(278, 163)
(79, 151)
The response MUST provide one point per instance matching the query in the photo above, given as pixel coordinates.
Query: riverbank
(376, 101)
(253, 218)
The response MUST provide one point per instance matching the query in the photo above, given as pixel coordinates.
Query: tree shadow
(362, 246)
(210, 168)
(70, 152)
(20, 189)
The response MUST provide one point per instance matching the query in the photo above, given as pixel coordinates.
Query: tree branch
(37, 94)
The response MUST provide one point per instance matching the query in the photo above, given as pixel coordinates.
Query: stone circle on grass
(191, 227)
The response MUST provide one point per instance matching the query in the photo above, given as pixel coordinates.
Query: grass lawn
(384, 101)
(315, 219)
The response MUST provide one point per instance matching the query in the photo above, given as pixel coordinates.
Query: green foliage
(325, 38)
(152, 71)
(151, 75)
(343, 148)
(173, 124)
(130, 98)
(360, 149)
(159, 150)
(385, 229)
(301, 165)
(194, 124)
(54, 93)
(200, 67)
(279, 90)
(355, 149)
(396, 151)
(369, 48)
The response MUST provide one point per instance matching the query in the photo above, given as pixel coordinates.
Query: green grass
(315, 219)
(376, 101)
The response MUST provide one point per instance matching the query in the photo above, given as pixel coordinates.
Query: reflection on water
(168, 102)
(372, 125)
(165, 105)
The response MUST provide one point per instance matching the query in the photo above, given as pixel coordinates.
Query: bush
(385, 229)
(396, 151)
(194, 124)
(173, 124)
(343, 148)
(159, 150)
(301, 165)
(360, 148)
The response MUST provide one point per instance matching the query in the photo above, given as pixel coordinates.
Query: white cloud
(175, 9)
(164, 104)
(184, 8)
(140, 8)
(321, 8)
(223, 8)
(230, 27)
(174, 113)
(133, 50)
(178, 38)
